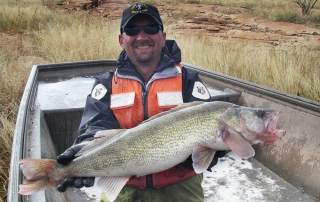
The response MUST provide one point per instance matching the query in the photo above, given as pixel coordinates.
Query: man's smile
(143, 45)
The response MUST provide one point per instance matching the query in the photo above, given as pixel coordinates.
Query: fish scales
(164, 141)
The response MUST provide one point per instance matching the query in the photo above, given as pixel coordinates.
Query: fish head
(257, 125)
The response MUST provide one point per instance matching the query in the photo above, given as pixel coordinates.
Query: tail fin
(36, 173)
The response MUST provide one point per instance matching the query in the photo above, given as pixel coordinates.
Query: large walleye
(161, 142)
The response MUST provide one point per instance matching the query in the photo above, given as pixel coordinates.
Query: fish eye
(260, 113)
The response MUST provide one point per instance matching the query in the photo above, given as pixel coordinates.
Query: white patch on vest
(122, 100)
(169, 98)
(99, 91)
(179, 69)
(200, 91)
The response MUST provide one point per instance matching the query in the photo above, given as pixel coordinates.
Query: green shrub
(288, 16)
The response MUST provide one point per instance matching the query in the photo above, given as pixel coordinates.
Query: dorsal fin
(102, 137)
(108, 133)
(175, 109)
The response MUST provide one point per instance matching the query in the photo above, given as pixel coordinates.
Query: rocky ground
(213, 22)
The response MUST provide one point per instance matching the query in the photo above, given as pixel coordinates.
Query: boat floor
(232, 179)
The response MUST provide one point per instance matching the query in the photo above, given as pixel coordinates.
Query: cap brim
(125, 24)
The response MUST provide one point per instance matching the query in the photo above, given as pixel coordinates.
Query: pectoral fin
(238, 144)
(202, 157)
(112, 186)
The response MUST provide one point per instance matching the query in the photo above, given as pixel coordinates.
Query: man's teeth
(143, 46)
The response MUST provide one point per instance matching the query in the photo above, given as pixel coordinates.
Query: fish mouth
(272, 131)
(270, 134)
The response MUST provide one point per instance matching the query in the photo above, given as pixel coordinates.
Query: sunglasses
(135, 30)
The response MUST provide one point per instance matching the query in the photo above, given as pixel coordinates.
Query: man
(149, 79)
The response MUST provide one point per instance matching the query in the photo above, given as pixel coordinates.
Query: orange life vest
(128, 104)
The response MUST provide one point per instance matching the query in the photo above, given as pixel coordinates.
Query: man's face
(143, 48)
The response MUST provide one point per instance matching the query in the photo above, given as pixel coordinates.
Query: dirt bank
(199, 19)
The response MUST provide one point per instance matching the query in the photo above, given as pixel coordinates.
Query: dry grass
(6, 136)
(295, 71)
(86, 38)
(14, 71)
(10, 94)
(26, 15)
(59, 37)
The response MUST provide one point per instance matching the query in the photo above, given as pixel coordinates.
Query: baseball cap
(140, 9)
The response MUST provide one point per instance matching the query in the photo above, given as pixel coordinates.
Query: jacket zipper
(149, 181)
(145, 97)
(145, 104)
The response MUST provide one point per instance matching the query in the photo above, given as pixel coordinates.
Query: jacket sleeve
(193, 89)
(97, 114)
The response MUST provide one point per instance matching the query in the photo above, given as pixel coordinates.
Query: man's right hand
(77, 182)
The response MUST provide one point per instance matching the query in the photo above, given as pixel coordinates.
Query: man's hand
(219, 154)
(77, 182)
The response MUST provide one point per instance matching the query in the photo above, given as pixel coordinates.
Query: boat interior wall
(64, 71)
(296, 157)
(51, 133)
(39, 144)
(63, 126)
(49, 149)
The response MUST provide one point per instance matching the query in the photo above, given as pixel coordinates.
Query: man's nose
(142, 35)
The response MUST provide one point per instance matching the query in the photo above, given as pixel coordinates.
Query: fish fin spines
(202, 157)
(29, 187)
(112, 186)
(34, 169)
(36, 173)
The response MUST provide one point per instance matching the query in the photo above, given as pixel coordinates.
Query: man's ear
(164, 38)
(121, 40)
